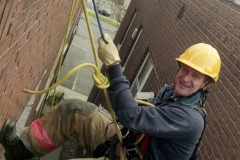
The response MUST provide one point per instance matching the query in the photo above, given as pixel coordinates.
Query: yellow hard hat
(203, 58)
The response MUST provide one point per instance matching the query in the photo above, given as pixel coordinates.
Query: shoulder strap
(202, 111)
(199, 107)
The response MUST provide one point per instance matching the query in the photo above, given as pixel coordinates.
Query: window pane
(145, 70)
(149, 80)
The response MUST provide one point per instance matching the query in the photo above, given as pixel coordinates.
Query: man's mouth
(184, 84)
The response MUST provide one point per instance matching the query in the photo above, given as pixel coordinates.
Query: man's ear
(206, 84)
(208, 81)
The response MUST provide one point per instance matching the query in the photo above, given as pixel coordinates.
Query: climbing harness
(99, 80)
(199, 107)
(128, 142)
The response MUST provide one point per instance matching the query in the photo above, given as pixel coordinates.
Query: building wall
(169, 28)
(32, 32)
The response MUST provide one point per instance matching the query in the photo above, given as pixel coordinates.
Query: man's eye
(195, 76)
(184, 69)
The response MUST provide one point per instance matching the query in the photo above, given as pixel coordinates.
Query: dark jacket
(174, 127)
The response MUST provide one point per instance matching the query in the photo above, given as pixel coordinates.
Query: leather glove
(108, 53)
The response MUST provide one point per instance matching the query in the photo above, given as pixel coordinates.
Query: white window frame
(136, 80)
(237, 2)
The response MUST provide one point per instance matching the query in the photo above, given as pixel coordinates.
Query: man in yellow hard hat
(173, 127)
(176, 123)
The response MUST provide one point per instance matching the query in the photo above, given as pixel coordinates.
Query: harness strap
(102, 148)
(199, 107)
(202, 111)
(143, 145)
(131, 151)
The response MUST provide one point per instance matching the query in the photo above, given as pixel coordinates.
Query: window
(237, 2)
(144, 76)
(131, 49)
(128, 27)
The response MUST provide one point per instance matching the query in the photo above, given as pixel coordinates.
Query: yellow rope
(99, 80)
(91, 35)
(72, 12)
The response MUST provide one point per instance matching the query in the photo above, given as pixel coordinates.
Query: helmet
(203, 58)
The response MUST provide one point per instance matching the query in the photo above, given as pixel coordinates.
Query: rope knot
(100, 80)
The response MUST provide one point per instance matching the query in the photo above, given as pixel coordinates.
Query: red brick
(232, 113)
(220, 95)
(231, 152)
(232, 128)
(4, 45)
(238, 65)
(9, 73)
(23, 40)
(233, 79)
(225, 114)
(224, 127)
(236, 24)
(5, 20)
(226, 83)
(56, 3)
(18, 33)
(238, 150)
(233, 103)
(49, 5)
(40, 4)
(31, 21)
(15, 23)
(31, 10)
(33, 31)
(238, 98)
(226, 93)
(237, 16)
(209, 149)
(6, 57)
(28, 3)
(19, 7)
(2, 7)
(233, 70)
(219, 117)
(22, 56)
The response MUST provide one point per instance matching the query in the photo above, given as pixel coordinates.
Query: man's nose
(187, 77)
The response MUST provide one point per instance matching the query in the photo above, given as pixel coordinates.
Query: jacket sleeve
(165, 122)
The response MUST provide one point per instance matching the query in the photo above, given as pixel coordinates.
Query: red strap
(145, 142)
(41, 136)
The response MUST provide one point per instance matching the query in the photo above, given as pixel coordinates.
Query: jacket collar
(167, 91)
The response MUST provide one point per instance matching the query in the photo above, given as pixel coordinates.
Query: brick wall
(169, 28)
(31, 35)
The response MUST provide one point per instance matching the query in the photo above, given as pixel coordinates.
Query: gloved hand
(108, 53)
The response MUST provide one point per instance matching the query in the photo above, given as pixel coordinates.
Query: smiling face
(188, 81)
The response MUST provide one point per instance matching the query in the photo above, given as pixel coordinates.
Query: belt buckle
(132, 150)
(132, 154)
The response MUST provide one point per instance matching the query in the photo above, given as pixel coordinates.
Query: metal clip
(132, 154)
(132, 149)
